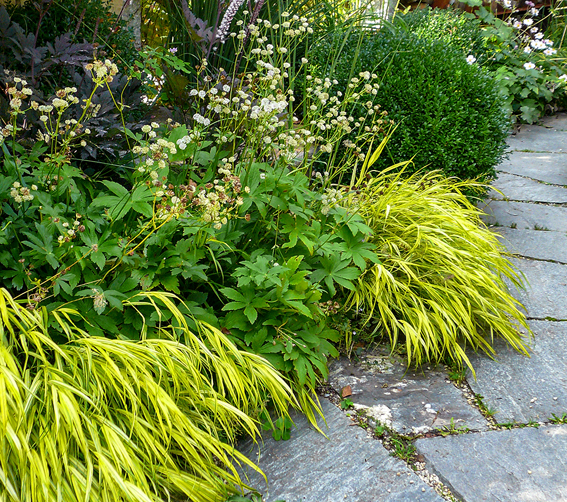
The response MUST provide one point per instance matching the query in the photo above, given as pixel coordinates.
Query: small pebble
(555, 399)
(411, 481)
(529, 472)
(423, 489)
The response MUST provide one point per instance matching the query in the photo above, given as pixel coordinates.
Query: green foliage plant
(531, 72)
(449, 115)
(195, 30)
(54, 67)
(452, 26)
(440, 285)
(234, 212)
(281, 428)
(89, 418)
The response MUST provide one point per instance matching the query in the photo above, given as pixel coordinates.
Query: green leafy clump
(100, 419)
(449, 114)
(440, 286)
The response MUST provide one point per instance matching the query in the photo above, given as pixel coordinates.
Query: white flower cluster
(18, 95)
(65, 98)
(268, 107)
(102, 71)
(185, 140)
(155, 153)
(330, 199)
(215, 201)
(69, 232)
(197, 117)
(22, 194)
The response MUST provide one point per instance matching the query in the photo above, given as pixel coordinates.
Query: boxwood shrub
(454, 27)
(449, 113)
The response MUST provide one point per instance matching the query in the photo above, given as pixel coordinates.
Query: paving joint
(532, 179)
(535, 202)
(533, 258)
(547, 318)
(387, 439)
(527, 150)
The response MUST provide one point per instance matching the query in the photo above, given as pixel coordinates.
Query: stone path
(499, 438)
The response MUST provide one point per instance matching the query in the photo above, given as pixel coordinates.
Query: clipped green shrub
(453, 27)
(441, 284)
(526, 65)
(448, 113)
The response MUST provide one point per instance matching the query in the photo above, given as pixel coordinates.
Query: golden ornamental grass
(441, 285)
(116, 420)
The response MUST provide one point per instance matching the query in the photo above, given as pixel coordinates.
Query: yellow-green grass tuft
(97, 419)
(441, 284)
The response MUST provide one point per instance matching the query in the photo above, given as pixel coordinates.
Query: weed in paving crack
(517, 425)
(452, 428)
(558, 420)
(485, 410)
(457, 375)
(507, 425)
(346, 404)
(403, 448)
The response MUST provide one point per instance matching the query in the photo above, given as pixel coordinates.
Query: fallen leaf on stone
(347, 391)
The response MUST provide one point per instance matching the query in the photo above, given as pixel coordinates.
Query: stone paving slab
(538, 139)
(548, 167)
(349, 466)
(523, 388)
(407, 401)
(546, 291)
(519, 465)
(524, 215)
(534, 243)
(557, 122)
(518, 188)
